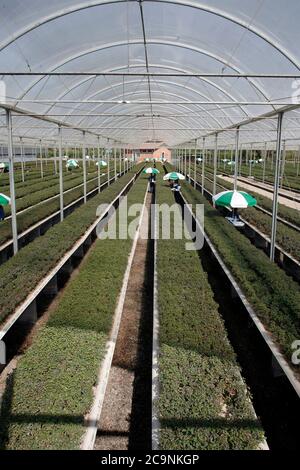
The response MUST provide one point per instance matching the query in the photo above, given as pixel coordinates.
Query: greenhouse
(149, 227)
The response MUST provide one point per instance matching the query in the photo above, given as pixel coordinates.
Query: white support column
(54, 159)
(215, 165)
(251, 158)
(283, 162)
(60, 168)
(265, 161)
(12, 181)
(99, 166)
(84, 166)
(276, 187)
(298, 160)
(190, 168)
(236, 159)
(195, 164)
(185, 161)
(115, 162)
(203, 166)
(108, 165)
(41, 158)
(120, 161)
(241, 159)
(22, 159)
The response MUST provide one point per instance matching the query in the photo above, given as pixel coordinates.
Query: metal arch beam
(136, 81)
(167, 93)
(169, 82)
(182, 130)
(188, 3)
(168, 67)
(141, 42)
(283, 109)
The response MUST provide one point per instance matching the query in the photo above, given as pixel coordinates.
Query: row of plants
(203, 402)
(32, 199)
(21, 273)
(38, 184)
(287, 238)
(262, 281)
(31, 186)
(52, 386)
(29, 174)
(39, 212)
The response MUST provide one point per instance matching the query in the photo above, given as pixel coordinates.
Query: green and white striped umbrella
(174, 176)
(150, 170)
(4, 166)
(101, 163)
(4, 200)
(72, 164)
(234, 199)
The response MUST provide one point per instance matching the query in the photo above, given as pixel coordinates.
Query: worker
(2, 213)
(151, 183)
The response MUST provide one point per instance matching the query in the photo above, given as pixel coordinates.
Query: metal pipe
(236, 160)
(84, 167)
(155, 74)
(12, 181)
(22, 159)
(195, 164)
(99, 167)
(203, 165)
(215, 165)
(60, 168)
(264, 162)
(276, 187)
(41, 157)
(283, 163)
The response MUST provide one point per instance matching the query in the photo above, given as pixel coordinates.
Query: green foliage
(203, 402)
(20, 274)
(263, 282)
(51, 390)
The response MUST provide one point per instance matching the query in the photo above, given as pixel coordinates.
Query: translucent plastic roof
(133, 38)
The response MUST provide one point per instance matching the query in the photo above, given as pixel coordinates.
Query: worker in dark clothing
(151, 183)
(2, 213)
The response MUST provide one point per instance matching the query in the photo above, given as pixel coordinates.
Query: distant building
(157, 153)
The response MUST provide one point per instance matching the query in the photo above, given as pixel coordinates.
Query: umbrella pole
(12, 181)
